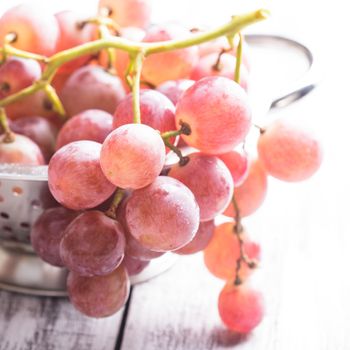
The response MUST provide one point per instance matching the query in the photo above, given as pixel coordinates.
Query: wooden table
(304, 230)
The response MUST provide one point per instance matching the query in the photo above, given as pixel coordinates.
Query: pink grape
(76, 179)
(218, 113)
(160, 67)
(90, 87)
(251, 193)
(223, 251)
(91, 124)
(93, 244)
(40, 130)
(134, 266)
(47, 233)
(99, 296)
(36, 30)
(173, 89)
(71, 34)
(129, 12)
(132, 156)
(288, 152)
(200, 240)
(163, 216)
(209, 180)
(241, 308)
(16, 74)
(133, 248)
(21, 151)
(238, 164)
(206, 67)
(157, 111)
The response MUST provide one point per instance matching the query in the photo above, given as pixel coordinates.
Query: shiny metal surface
(24, 192)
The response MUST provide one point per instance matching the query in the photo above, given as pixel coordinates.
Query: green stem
(184, 130)
(9, 136)
(105, 34)
(118, 197)
(238, 59)
(182, 160)
(30, 90)
(136, 77)
(54, 99)
(12, 51)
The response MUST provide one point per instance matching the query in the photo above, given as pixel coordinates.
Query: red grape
(223, 251)
(288, 152)
(251, 193)
(173, 89)
(35, 29)
(128, 12)
(209, 180)
(47, 233)
(160, 67)
(240, 307)
(90, 87)
(200, 240)
(99, 296)
(40, 130)
(134, 266)
(207, 66)
(238, 165)
(132, 156)
(76, 179)
(92, 124)
(163, 216)
(16, 74)
(157, 111)
(93, 244)
(21, 151)
(218, 113)
(72, 34)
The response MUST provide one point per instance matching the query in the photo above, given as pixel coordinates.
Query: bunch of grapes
(108, 102)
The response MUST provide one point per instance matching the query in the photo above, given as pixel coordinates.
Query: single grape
(133, 248)
(208, 66)
(132, 156)
(209, 180)
(40, 130)
(200, 240)
(76, 179)
(163, 216)
(91, 87)
(241, 308)
(92, 124)
(34, 29)
(47, 233)
(238, 164)
(16, 74)
(173, 89)
(128, 12)
(157, 111)
(251, 193)
(72, 33)
(218, 113)
(134, 266)
(99, 296)
(288, 152)
(172, 65)
(223, 251)
(21, 150)
(93, 244)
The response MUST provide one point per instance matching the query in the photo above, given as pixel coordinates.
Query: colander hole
(7, 228)
(35, 204)
(17, 191)
(4, 215)
(25, 224)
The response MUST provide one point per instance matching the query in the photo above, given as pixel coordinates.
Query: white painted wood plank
(38, 323)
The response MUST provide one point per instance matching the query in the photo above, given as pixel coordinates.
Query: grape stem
(54, 99)
(238, 59)
(243, 257)
(118, 197)
(185, 129)
(137, 51)
(9, 135)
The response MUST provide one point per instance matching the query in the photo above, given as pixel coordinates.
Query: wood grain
(32, 323)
